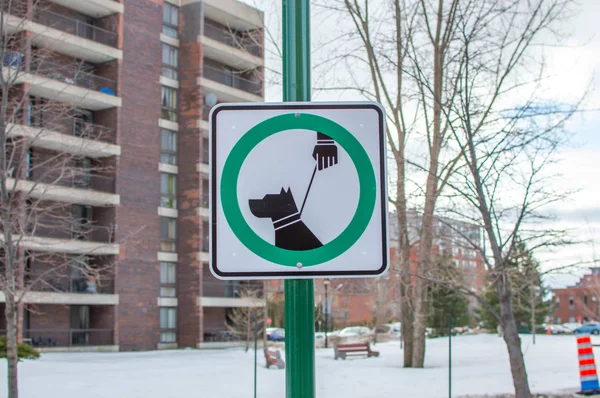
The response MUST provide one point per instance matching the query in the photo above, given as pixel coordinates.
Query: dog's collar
(287, 220)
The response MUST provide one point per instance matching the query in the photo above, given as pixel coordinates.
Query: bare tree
(406, 61)
(505, 152)
(242, 320)
(36, 214)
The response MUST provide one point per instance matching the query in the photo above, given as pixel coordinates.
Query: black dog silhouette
(290, 232)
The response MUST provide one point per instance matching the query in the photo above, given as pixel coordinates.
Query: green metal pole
(255, 347)
(299, 294)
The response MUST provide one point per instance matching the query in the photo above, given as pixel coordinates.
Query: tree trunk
(11, 346)
(406, 287)
(407, 329)
(512, 340)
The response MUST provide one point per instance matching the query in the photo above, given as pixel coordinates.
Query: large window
(170, 56)
(167, 279)
(168, 325)
(168, 147)
(169, 103)
(170, 20)
(168, 234)
(168, 190)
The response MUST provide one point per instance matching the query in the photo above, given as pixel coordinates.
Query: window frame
(169, 103)
(168, 278)
(168, 198)
(170, 26)
(168, 243)
(168, 329)
(170, 154)
(172, 55)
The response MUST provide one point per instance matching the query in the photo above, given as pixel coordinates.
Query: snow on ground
(480, 366)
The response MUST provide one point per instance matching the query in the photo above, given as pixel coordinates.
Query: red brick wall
(138, 180)
(579, 311)
(189, 269)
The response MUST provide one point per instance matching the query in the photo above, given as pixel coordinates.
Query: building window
(204, 202)
(170, 20)
(585, 301)
(28, 157)
(169, 104)
(168, 190)
(557, 320)
(167, 279)
(571, 319)
(557, 304)
(205, 237)
(571, 303)
(168, 147)
(205, 150)
(170, 57)
(168, 234)
(168, 325)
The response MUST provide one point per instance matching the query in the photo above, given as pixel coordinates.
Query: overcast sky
(573, 67)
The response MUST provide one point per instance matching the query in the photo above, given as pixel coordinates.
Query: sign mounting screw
(299, 265)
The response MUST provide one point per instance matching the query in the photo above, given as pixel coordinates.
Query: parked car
(268, 331)
(396, 329)
(592, 328)
(392, 330)
(355, 331)
(277, 335)
(559, 329)
(572, 326)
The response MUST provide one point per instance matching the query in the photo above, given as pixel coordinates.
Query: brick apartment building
(580, 302)
(149, 66)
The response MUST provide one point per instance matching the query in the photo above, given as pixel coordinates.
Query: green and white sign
(298, 190)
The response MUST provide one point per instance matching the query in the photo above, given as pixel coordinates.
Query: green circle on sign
(311, 123)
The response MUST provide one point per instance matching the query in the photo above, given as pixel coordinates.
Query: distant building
(580, 302)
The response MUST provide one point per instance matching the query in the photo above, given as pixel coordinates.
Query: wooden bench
(274, 358)
(342, 350)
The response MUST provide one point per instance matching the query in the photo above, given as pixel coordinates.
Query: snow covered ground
(480, 366)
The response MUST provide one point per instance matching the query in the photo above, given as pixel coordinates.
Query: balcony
(230, 302)
(78, 138)
(69, 246)
(67, 298)
(93, 8)
(231, 48)
(63, 83)
(229, 87)
(233, 13)
(67, 35)
(71, 339)
(94, 191)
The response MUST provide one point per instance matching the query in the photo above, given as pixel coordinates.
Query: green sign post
(299, 294)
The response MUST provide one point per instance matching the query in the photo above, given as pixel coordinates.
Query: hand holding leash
(325, 152)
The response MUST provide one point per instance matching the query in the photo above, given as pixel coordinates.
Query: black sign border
(304, 274)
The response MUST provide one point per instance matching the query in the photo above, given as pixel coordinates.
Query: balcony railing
(73, 74)
(48, 338)
(75, 27)
(241, 41)
(228, 289)
(232, 80)
(91, 181)
(42, 117)
(219, 335)
(76, 285)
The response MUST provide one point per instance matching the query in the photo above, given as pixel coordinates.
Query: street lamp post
(326, 284)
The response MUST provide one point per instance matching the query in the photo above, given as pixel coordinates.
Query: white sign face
(298, 190)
